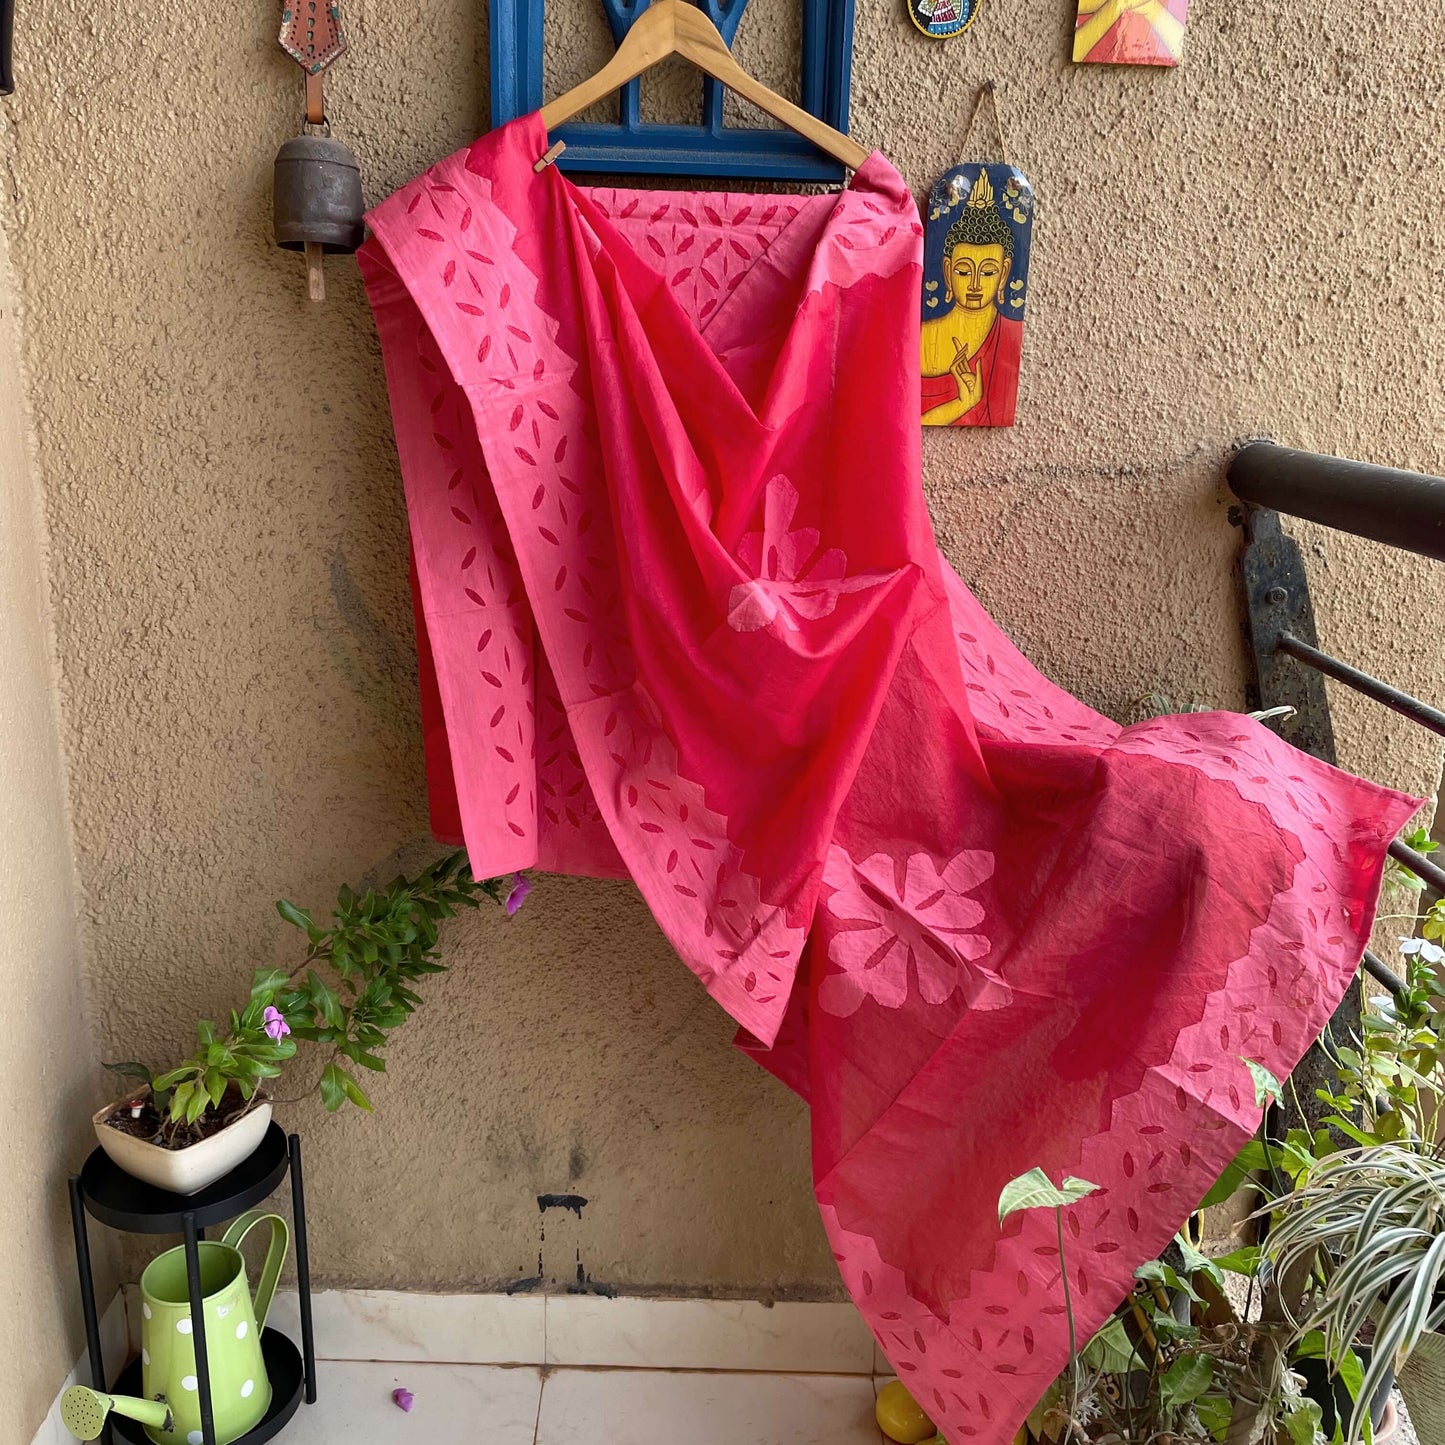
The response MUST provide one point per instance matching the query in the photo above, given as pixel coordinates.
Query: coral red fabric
(683, 618)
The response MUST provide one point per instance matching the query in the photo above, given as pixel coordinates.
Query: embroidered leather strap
(311, 36)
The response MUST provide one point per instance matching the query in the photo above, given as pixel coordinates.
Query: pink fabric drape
(682, 618)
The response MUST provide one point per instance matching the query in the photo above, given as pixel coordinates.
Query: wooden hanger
(675, 27)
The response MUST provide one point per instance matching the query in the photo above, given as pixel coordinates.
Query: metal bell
(316, 196)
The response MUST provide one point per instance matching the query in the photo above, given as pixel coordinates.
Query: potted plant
(1186, 1359)
(189, 1124)
(1368, 1235)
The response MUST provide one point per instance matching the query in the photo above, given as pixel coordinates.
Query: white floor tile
(455, 1405)
(460, 1329)
(654, 1407)
(708, 1335)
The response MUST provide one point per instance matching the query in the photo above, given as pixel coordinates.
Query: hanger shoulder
(674, 27)
(698, 40)
(650, 39)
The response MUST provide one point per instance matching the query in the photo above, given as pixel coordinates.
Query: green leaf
(196, 1105)
(1250, 1160)
(1111, 1350)
(181, 1099)
(1215, 1414)
(325, 1001)
(337, 1086)
(1352, 1372)
(294, 915)
(1156, 1271)
(354, 1091)
(1353, 1131)
(1186, 1379)
(1266, 1086)
(1197, 1263)
(1302, 1423)
(1035, 1191)
(206, 1033)
(266, 983)
(332, 1093)
(1240, 1261)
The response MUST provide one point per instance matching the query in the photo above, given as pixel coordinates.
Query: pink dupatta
(682, 618)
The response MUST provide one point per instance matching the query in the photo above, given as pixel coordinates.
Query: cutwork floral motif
(927, 930)
(792, 580)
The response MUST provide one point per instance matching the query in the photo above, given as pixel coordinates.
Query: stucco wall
(47, 1079)
(1247, 245)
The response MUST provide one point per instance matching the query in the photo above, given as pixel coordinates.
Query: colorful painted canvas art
(943, 18)
(975, 290)
(1130, 32)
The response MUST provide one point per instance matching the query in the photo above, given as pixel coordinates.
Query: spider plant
(1365, 1237)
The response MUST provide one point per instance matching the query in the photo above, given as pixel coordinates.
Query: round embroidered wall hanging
(942, 19)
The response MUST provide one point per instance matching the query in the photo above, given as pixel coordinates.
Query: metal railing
(1398, 508)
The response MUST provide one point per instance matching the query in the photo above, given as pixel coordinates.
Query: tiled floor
(527, 1405)
(524, 1405)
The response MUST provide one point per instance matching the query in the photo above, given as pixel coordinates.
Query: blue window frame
(634, 146)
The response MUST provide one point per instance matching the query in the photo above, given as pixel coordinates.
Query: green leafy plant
(1389, 1077)
(354, 985)
(1178, 1362)
(1366, 1235)
(1400, 874)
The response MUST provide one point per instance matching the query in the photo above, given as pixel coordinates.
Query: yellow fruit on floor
(900, 1417)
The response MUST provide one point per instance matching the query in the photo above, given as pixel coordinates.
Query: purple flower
(521, 887)
(403, 1399)
(274, 1024)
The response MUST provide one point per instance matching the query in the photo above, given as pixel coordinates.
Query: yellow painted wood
(674, 27)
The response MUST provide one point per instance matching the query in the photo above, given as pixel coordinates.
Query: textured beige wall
(47, 1081)
(1249, 244)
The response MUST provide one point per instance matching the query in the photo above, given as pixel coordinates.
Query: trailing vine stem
(379, 945)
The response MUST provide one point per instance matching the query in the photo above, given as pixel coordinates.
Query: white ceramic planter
(183, 1171)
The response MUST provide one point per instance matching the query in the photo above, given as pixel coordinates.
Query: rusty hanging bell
(316, 191)
(316, 195)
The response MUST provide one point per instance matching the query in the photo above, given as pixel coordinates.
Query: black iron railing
(1400, 509)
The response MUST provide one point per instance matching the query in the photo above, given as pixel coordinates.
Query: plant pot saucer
(122, 1201)
(283, 1368)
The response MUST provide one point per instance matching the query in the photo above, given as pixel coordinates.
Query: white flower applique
(926, 934)
(792, 580)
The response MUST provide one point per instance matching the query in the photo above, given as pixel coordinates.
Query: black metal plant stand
(114, 1198)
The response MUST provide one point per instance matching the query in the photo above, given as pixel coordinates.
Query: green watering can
(240, 1387)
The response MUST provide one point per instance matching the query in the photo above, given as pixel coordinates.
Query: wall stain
(573, 1202)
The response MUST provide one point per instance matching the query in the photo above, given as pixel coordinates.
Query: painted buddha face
(974, 276)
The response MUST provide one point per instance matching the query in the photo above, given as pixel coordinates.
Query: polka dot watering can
(240, 1388)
